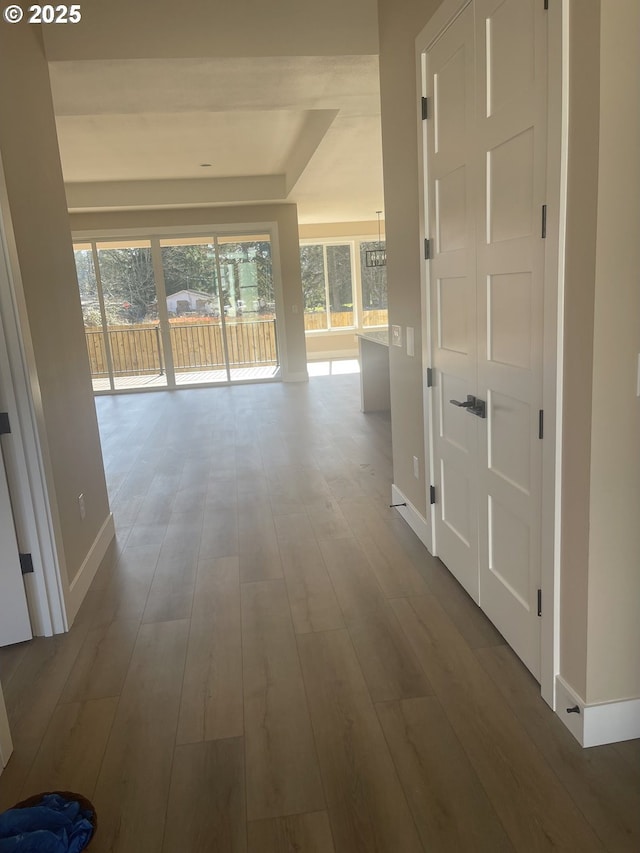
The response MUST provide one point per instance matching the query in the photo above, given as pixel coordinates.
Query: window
(337, 295)
(327, 284)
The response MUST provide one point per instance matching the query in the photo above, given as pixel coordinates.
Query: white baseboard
(594, 725)
(301, 376)
(417, 522)
(80, 584)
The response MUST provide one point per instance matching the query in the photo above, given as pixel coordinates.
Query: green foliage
(189, 268)
(312, 269)
(128, 283)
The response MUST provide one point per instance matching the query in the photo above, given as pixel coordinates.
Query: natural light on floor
(333, 368)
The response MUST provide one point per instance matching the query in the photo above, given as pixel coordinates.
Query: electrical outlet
(81, 506)
(396, 336)
(416, 468)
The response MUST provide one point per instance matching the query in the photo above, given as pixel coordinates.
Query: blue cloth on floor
(54, 825)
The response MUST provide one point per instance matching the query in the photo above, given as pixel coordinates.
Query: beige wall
(38, 212)
(293, 354)
(399, 24)
(613, 662)
(327, 345)
(329, 230)
(600, 580)
(582, 191)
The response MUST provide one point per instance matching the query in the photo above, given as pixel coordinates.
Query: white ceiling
(133, 133)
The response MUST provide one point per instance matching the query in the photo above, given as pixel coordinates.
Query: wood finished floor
(269, 660)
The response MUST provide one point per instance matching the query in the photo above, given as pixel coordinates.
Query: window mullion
(327, 300)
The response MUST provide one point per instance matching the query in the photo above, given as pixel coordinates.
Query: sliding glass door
(178, 311)
(119, 307)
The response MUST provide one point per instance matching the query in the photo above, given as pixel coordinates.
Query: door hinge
(432, 494)
(539, 602)
(427, 249)
(5, 426)
(546, 5)
(541, 423)
(425, 108)
(429, 377)
(544, 221)
(26, 563)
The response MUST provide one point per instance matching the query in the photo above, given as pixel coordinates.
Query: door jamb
(34, 506)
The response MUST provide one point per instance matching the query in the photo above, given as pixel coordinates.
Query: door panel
(511, 140)
(449, 85)
(507, 28)
(14, 614)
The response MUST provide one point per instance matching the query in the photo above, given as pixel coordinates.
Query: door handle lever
(470, 404)
(474, 405)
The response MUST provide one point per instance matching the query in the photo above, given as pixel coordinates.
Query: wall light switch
(410, 341)
(396, 336)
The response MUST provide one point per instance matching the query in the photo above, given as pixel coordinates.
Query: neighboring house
(188, 301)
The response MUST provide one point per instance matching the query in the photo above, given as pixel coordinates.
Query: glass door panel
(194, 314)
(93, 317)
(130, 310)
(248, 297)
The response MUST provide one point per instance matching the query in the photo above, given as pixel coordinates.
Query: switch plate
(81, 507)
(396, 336)
(416, 468)
(410, 341)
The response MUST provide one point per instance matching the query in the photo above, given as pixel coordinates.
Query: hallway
(269, 659)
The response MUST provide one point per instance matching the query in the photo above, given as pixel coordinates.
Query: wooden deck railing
(136, 349)
(317, 320)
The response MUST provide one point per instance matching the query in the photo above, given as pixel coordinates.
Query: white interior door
(14, 614)
(451, 189)
(486, 176)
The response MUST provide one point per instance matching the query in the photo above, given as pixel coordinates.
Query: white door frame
(33, 504)
(557, 147)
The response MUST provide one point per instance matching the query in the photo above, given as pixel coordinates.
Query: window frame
(354, 243)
